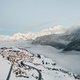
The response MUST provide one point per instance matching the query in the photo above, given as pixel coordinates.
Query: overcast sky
(34, 15)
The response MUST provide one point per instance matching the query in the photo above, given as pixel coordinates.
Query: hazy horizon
(35, 15)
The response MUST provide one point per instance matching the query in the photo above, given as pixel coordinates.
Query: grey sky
(34, 15)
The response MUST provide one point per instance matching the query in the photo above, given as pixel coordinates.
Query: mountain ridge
(59, 29)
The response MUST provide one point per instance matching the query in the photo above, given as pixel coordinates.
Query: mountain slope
(27, 66)
(52, 40)
(64, 41)
(74, 45)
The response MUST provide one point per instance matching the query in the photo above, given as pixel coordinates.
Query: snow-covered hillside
(28, 66)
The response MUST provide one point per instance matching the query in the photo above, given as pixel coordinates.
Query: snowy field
(68, 60)
(4, 68)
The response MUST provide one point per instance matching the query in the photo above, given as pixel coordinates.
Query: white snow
(4, 68)
(69, 60)
(48, 70)
(46, 52)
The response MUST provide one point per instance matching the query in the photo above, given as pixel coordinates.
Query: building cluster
(14, 55)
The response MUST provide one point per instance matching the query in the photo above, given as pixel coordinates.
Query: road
(8, 77)
(40, 75)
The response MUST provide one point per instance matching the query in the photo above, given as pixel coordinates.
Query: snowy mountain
(56, 36)
(70, 38)
(31, 36)
(22, 60)
(74, 38)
